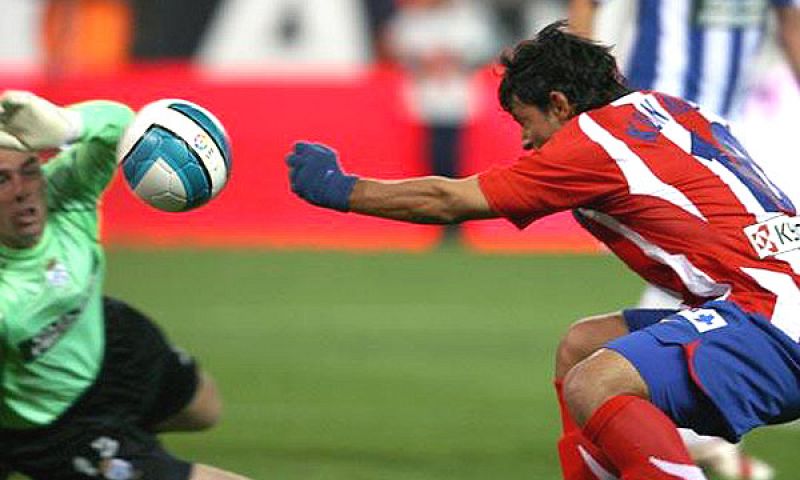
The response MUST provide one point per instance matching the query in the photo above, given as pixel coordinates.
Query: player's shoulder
(577, 135)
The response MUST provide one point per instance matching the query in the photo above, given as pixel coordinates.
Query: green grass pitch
(381, 366)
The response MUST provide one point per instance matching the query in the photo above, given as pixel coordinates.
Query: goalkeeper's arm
(90, 159)
(89, 132)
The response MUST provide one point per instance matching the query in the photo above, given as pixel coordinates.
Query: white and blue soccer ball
(175, 155)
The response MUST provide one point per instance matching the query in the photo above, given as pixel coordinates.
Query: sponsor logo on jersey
(775, 236)
(704, 319)
(32, 348)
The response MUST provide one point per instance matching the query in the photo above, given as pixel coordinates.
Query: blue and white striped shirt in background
(700, 50)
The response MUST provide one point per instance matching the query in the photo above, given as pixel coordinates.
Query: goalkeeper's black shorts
(108, 432)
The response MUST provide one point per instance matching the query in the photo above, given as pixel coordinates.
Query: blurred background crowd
(97, 35)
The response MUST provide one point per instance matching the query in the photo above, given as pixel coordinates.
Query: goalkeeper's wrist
(339, 191)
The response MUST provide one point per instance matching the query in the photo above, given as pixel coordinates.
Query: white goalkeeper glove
(31, 123)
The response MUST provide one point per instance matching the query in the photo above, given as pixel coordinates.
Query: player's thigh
(90, 448)
(202, 412)
(206, 472)
(602, 376)
(585, 337)
(717, 369)
(588, 335)
(143, 373)
(665, 369)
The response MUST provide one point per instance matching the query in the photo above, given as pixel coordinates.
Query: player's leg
(95, 441)
(724, 459)
(715, 369)
(727, 460)
(609, 399)
(202, 412)
(579, 458)
(206, 472)
(585, 337)
(171, 392)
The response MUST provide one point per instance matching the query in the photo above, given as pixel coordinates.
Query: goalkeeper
(85, 381)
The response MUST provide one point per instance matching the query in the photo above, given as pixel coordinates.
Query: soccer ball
(175, 155)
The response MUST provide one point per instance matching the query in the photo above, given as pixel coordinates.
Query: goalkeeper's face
(23, 210)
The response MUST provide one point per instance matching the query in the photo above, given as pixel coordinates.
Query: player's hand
(31, 123)
(317, 178)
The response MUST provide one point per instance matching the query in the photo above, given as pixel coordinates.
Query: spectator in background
(257, 36)
(20, 42)
(170, 30)
(441, 43)
(379, 13)
(512, 17)
(86, 36)
(703, 52)
(522, 18)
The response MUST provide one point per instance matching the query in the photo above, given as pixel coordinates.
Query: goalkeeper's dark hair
(556, 60)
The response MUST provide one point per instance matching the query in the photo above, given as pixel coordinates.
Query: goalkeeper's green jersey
(51, 317)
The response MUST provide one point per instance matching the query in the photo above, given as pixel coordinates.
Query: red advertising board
(363, 117)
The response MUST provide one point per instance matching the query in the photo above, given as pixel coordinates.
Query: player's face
(23, 209)
(537, 125)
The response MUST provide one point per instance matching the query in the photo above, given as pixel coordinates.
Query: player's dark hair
(556, 60)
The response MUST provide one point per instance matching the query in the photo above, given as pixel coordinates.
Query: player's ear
(560, 106)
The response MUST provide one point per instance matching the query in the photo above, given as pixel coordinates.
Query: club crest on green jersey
(56, 273)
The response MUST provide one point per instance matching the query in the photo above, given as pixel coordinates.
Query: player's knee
(202, 413)
(206, 418)
(597, 379)
(577, 387)
(206, 410)
(576, 345)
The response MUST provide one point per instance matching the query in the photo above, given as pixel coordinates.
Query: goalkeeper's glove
(316, 176)
(31, 123)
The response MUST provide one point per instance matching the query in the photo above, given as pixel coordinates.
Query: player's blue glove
(317, 178)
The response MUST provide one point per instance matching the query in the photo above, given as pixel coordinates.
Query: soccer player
(705, 52)
(670, 191)
(87, 380)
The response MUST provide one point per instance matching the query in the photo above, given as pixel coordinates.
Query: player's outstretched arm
(316, 177)
(435, 200)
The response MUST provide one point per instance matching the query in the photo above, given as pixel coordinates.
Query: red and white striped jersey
(670, 191)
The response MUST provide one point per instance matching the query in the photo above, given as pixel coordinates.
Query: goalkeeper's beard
(28, 225)
(23, 221)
